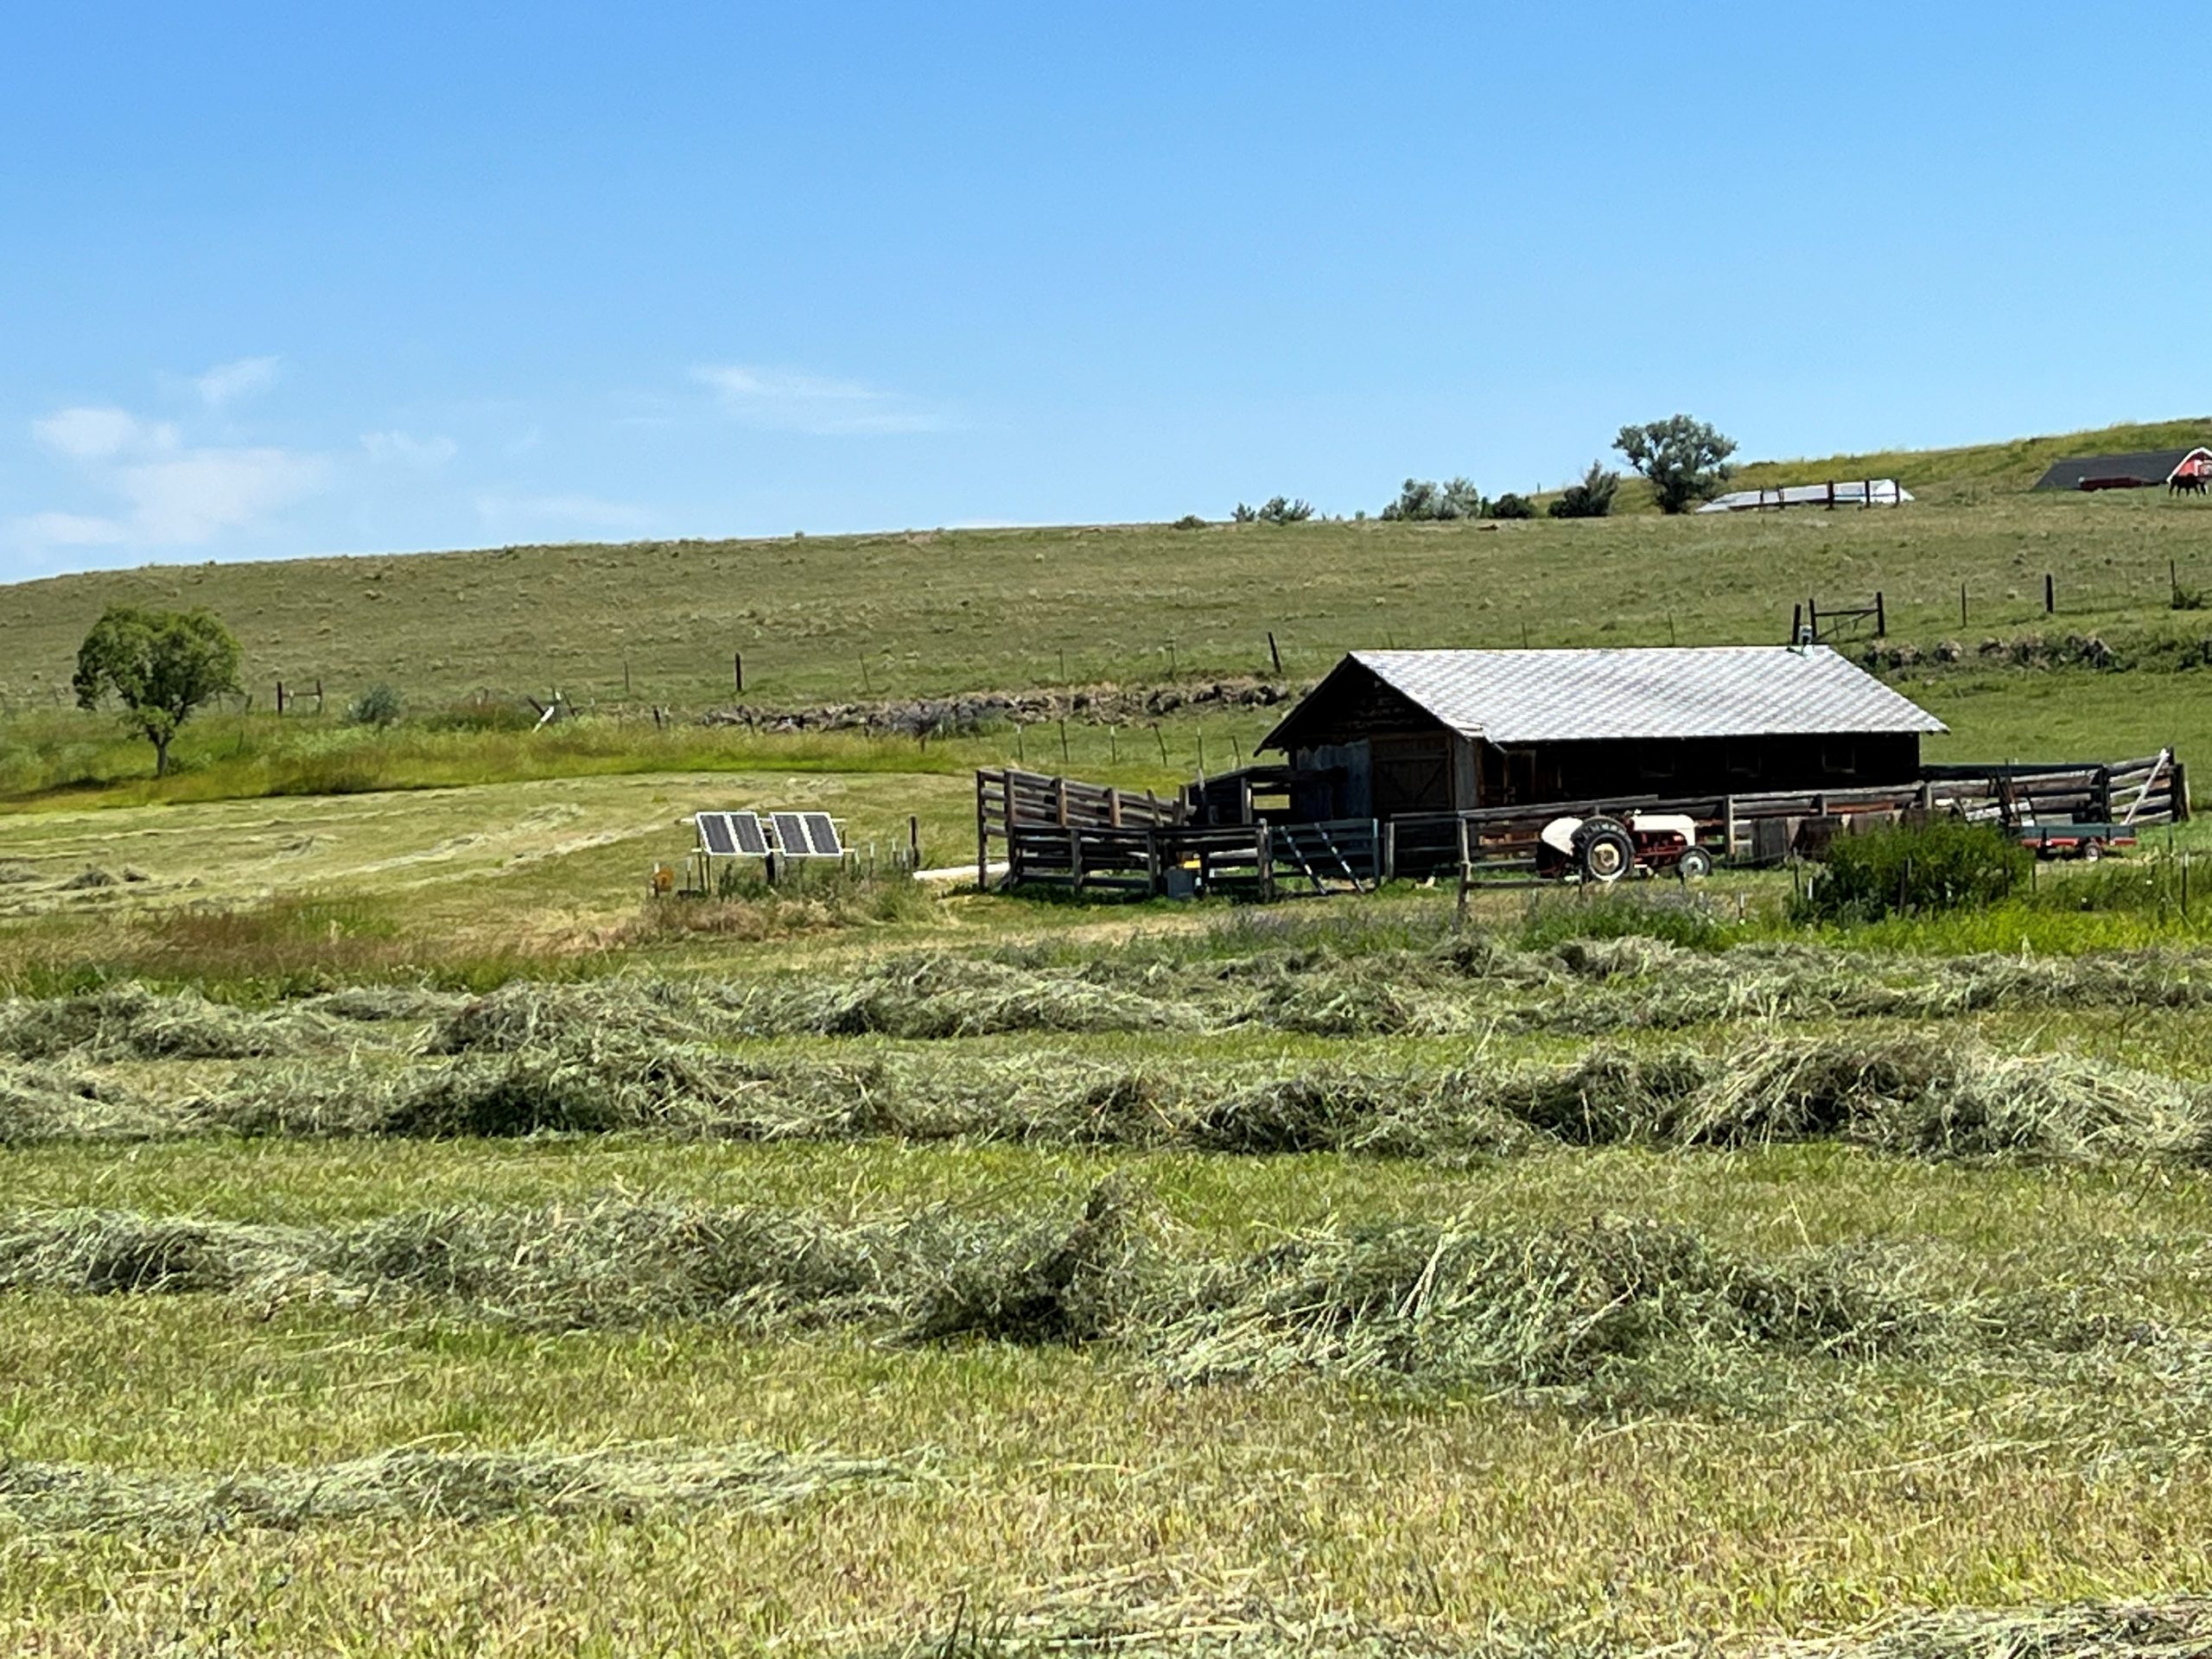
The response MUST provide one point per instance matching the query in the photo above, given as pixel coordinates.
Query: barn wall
(1692, 767)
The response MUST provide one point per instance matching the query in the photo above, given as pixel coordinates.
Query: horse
(2188, 484)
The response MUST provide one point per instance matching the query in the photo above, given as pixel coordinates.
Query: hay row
(1465, 987)
(421, 1484)
(1137, 1615)
(1451, 987)
(1451, 1302)
(1910, 1093)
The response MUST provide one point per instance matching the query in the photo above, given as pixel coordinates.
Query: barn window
(1840, 754)
(1743, 760)
(1659, 760)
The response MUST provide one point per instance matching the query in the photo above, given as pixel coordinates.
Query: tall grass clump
(1909, 869)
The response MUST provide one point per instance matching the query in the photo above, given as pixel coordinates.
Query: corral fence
(1091, 838)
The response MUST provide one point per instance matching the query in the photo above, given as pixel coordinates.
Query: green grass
(833, 618)
(1725, 1493)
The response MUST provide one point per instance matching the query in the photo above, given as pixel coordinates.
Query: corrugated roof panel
(2148, 466)
(1547, 696)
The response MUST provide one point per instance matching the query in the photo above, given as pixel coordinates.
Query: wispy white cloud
(165, 492)
(92, 435)
(243, 377)
(405, 449)
(191, 497)
(781, 400)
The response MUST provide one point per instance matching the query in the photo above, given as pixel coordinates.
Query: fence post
(913, 842)
(2050, 595)
(983, 834)
(1389, 851)
(1075, 859)
(1459, 910)
(1881, 617)
(1273, 654)
(1267, 862)
(1374, 827)
(737, 670)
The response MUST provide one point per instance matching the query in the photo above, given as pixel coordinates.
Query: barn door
(1412, 774)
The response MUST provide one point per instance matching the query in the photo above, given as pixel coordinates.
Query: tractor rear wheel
(1604, 850)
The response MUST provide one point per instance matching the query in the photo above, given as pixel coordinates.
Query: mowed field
(413, 1240)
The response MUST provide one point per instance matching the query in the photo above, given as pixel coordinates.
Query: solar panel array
(741, 834)
(731, 834)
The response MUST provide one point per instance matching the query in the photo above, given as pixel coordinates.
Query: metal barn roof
(1550, 697)
(2145, 466)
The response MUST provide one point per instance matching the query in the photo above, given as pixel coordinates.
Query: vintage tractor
(1604, 849)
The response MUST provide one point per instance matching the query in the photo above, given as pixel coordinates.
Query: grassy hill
(926, 611)
(1976, 471)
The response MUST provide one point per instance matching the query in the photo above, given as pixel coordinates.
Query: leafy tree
(159, 665)
(378, 706)
(1425, 500)
(1592, 499)
(1510, 506)
(1282, 511)
(1685, 460)
(1243, 515)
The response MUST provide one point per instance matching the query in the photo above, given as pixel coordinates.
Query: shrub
(1592, 499)
(1188, 521)
(1424, 499)
(1947, 864)
(1510, 506)
(1281, 510)
(378, 706)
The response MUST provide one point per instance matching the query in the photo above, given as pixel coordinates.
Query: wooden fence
(1089, 838)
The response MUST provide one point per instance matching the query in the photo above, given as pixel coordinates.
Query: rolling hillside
(925, 612)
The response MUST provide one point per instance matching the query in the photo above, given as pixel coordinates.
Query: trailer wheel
(1604, 850)
(2091, 850)
(1695, 864)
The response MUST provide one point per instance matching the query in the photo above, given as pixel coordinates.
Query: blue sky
(289, 279)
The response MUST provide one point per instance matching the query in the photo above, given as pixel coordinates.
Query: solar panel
(715, 834)
(823, 834)
(791, 834)
(752, 840)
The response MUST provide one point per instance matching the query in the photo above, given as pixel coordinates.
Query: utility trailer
(2087, 842)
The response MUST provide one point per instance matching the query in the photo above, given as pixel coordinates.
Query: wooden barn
(2145, 471)
(1393, 733)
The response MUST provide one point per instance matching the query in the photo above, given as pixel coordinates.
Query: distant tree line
(1683, 461)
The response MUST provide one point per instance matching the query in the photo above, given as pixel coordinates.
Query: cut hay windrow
(1130, 1616)
(1452, 988)
(1452, 1303)
(130, 1022)
(39, 1103)
(1468, 986)
(425, 1485)
(1910, 1093)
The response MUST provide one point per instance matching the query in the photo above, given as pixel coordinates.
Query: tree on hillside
(1592, 499)
(1426, 499)
(1685, 460)
(159, 665)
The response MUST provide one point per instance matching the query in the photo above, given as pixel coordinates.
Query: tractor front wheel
(1604, 850)
(1694, 865)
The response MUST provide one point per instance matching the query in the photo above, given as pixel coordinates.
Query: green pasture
(414, 1239)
